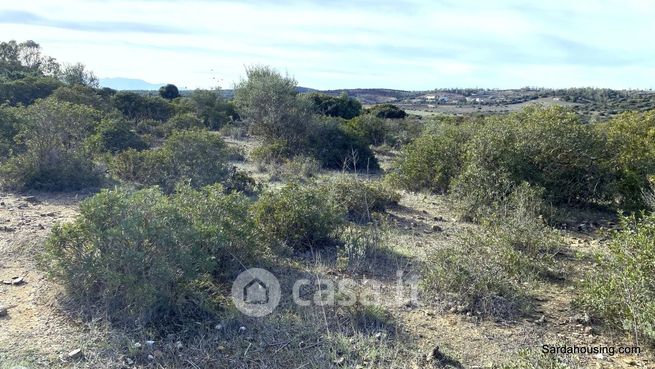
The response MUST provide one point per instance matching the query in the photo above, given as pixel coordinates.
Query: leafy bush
(342, 106)
(546, 147)
(169, 92)
(82, 95)
(369, 128)
(212, 107)
(116, 135)
(9, 128)
(143, 256)
(401, 132)
(629, 138)
(389, 111)
(299, 217)
(26, 90)
(361, 197)
(272, 152)
(335, 148)
(184, 121)
(269, 102)
(490, 270)
(621, 292)
(199, 157)
(54, 158)
(432, 161)
(135, 106)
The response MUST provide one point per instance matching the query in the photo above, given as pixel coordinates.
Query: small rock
(129, 361)
(150, 357)
(599, 356)
(137, 345)
(242, 329)
(150, 343)
(75, 354)
(582, 318)
(3, 311)
(218, 327)
(221, 348)
(179, 345)
(541, 320)
(438, 219)
(378, 336)
(436, 228)
(588, 330)
(31, 199)
(14, 281)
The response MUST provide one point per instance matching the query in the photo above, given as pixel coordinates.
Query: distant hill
(120, 83)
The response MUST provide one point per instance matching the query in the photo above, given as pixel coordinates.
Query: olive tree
(269, 101)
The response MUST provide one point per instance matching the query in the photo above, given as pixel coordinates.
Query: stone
(541, 320)
(3, 311)
(14, 281)
(75, 354)
(31, 199)
(436, 228)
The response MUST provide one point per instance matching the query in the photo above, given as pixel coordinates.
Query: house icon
(255, 292)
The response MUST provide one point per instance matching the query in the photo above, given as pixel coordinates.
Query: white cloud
(396, 44)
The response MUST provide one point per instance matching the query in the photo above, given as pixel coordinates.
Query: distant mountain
(119, 83)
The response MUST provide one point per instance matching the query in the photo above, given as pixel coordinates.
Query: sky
(330, 44)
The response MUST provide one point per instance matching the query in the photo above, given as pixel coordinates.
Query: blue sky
(403, 44)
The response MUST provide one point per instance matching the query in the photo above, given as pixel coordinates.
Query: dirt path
(32, 325)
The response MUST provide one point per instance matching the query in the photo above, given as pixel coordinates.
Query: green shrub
(342, 106)
(135, 106)
(369, 128)
(361, 197)
(432, 161)
(335, 148)
(27, 90)
(546, 147)
(9, 128)
(401, 132)
(81, 95)
(629, 137)
(115, 136)
(199, 157)
(476, 191)
(141, 256)
(269, 103)
(54, 156)
(272, 152)
(491, 270)
(387, 111)
(621, 291)
(184, 121)
(299, 217)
